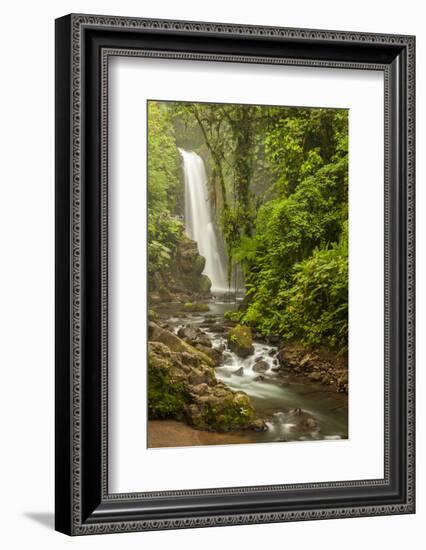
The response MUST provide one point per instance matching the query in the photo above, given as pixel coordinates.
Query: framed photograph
(234, 274)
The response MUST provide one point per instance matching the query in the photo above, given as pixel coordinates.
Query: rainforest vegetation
(279, 189)
(277, 185)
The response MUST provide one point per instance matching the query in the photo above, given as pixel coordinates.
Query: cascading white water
(199, 221)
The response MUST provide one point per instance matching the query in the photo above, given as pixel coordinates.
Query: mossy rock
(199, 265)
(167, 398)
(165, 294)
(189, 259)
(222, 414)
(174, 343)
(182, 387)
(196, 307)
(152, 315)
(204, 284)
(240, 341)
(183, 279)
(169, 381)
(214, 354)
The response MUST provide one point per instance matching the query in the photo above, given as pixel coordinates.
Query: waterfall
(199, 220)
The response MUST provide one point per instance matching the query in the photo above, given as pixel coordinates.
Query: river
(294, 407)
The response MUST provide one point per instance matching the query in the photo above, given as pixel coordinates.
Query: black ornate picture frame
(84, 44)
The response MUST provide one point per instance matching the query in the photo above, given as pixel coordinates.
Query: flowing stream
(295, 408)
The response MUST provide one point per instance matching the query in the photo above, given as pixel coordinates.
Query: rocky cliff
(183, 280)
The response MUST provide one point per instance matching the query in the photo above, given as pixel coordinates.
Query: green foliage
(164, 233)
(232, 315)
(163, 187)
(231, 135)
(279, 186)
(316, 303)
(296, 262)
(299, 141)
(163, 160)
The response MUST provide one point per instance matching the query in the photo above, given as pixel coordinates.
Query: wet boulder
(219, 328)
(273, 338)
(259, 425)
(188, 332)
(194, 336)
(214, 354)
(304, 421)
(227, 358)
(260, 366)
(240, 341)
(221, 347)
(310, 424)
(207, 323)
(174, 343)
(203, 340)
(239, 372)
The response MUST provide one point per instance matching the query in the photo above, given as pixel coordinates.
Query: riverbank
(171, 433)
(319, 365)
(280, 387)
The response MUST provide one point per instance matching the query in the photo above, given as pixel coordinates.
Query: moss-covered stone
(165, 294)
(190, 261)
(319, 364)
(204, 284)
(240, 340)
(174, 343)
(222, 414)
(152, 315)
(214, 354)
(182, 276)
(184, 387)
(166, 397)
